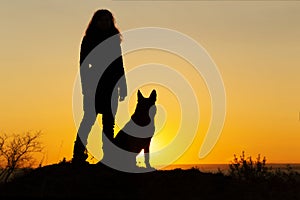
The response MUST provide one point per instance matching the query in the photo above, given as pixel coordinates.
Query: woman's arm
(84, 68)
(123, 84)
(121, 76)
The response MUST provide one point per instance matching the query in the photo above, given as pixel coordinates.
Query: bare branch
(17, 151)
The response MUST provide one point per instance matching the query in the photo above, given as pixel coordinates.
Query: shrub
(244, 168)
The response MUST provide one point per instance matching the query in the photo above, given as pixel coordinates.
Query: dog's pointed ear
(139, 95)
(153, 95)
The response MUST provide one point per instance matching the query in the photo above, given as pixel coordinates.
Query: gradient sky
(255, 45)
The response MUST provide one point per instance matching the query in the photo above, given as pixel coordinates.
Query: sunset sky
(254, 44)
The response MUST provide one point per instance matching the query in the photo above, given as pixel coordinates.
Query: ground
(65, 180)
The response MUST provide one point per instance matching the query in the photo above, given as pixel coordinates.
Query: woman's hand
(88, 92)
(122, 94)
(121, 98)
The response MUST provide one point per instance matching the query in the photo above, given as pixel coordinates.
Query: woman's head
(102, 23)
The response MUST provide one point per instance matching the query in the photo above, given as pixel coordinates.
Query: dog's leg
(147, 157)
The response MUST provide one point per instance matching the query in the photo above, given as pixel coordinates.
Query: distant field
(225, 167)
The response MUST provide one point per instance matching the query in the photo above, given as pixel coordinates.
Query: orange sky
(254, 44)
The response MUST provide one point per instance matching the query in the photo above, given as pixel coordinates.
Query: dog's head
(146, 103)
(145, 107)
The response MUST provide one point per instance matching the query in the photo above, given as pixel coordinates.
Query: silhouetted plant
(244, 168)
(63, 161)
(17, 152)
(287, 175)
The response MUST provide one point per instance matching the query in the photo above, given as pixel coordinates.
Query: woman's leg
(108, 117)
(88, 120)
(108, 124)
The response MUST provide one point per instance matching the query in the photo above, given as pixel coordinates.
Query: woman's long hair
(94, 32)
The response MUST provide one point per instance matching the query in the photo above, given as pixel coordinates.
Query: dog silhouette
(137, 133)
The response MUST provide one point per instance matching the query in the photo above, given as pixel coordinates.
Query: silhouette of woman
(102, 85)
